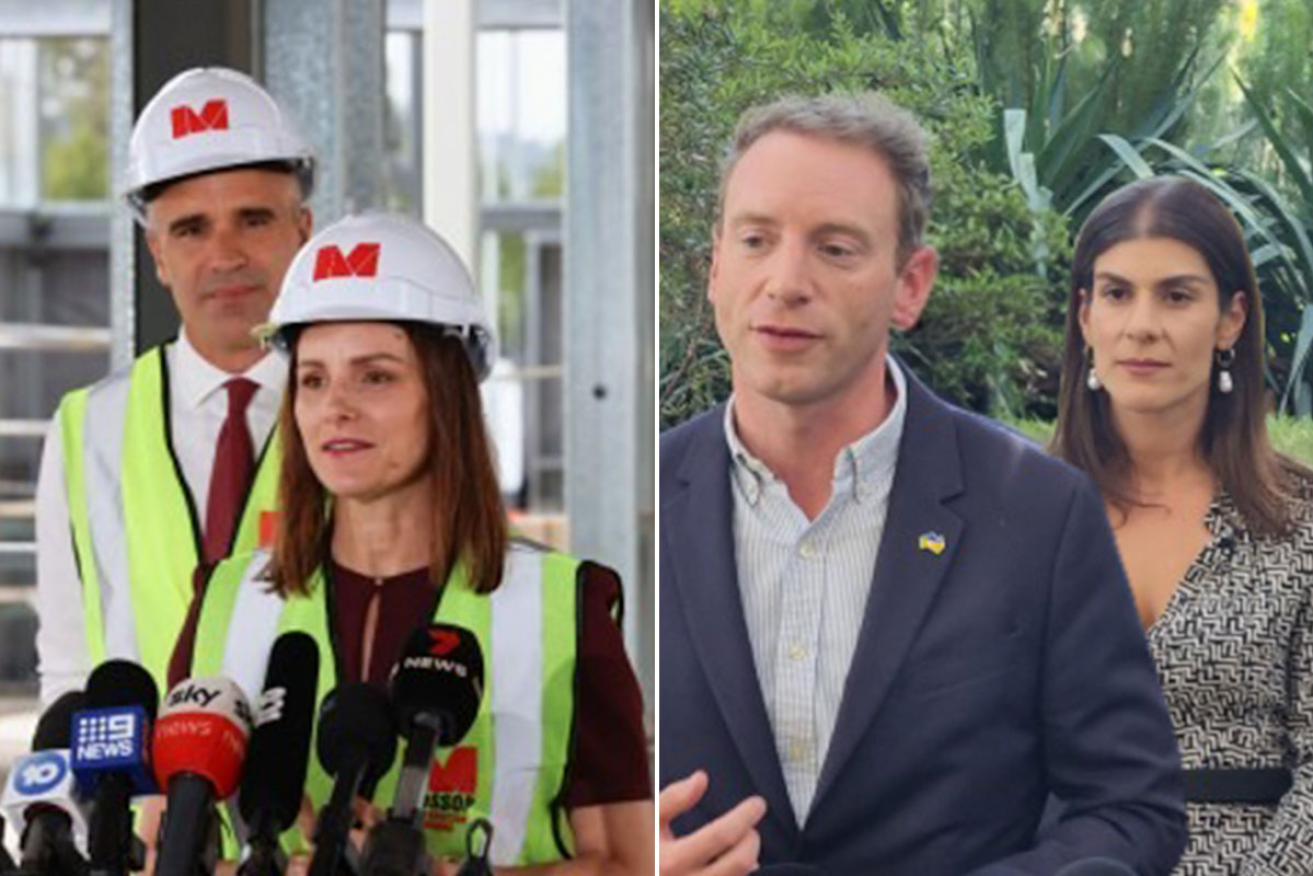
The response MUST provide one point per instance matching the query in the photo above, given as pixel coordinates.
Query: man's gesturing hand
(727, 846)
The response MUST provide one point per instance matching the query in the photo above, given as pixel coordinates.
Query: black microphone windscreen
(440, 672)
(122, 683)
(356, 717)
(279, 752)
(55, 727)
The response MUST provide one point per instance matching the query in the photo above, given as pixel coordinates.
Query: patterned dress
(1234, 651)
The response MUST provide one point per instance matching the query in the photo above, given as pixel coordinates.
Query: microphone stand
(264, 859)
(333, 831)
(396, 846)
(48, 848)
(189, 833)
(113, 848)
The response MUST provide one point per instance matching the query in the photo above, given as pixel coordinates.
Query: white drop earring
(1224, 382)
(1092, 379)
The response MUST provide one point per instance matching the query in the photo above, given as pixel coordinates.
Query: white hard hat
(210, 118)
(381, 266)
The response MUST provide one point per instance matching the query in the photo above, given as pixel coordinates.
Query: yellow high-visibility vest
(135, 529)
(512, 766)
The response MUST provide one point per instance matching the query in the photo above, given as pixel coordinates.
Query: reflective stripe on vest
(511, 767)
(134, 527)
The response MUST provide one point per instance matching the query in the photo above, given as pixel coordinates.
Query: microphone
(41, 799)
(280, 750)
(436, 690)
(198, 749)
(357, 743)
(111, 761)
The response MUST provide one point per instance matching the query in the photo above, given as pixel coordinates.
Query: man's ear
(715, 262)
(915, 281)
(153, 244)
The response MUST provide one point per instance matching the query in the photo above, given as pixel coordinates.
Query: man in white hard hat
(171, 463)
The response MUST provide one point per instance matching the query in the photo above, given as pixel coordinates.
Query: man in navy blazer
(890, 629)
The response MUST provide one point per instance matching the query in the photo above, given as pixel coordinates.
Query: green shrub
(1290, 435)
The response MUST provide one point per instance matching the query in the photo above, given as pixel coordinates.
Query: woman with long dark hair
(391, 519)
(1162, 404)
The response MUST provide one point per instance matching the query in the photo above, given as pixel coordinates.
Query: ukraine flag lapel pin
(933, 542)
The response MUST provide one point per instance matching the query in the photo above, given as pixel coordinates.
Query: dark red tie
(234, 461)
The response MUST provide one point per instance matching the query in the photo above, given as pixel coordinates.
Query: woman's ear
(1232, 322)
(1083, 315)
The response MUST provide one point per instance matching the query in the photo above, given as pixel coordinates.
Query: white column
(450, 166)
(609, 303)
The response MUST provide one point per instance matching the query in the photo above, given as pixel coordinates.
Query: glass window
(521, 114)
(522, 273)
(74, 118)
(54, 282)
(403, 180)
(521, 120)
(54, 120)
(18, 122)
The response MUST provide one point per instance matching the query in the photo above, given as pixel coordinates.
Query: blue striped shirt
(804, 585)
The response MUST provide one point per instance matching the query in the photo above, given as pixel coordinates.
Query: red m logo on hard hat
(213, 117)
(363, 262)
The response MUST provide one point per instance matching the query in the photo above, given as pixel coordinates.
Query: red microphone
(198, 750)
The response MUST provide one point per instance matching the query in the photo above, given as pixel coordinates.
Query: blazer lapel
(907, 576)
(698, 521)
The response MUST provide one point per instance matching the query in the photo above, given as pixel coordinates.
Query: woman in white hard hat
(392, 518)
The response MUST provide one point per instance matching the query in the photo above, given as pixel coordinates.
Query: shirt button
(807, 550)
(797, 652)
(796, 752)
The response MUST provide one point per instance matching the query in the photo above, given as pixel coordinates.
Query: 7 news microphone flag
(436, 690)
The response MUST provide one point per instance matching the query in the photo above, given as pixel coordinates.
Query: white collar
(860, 462)
(197, 378)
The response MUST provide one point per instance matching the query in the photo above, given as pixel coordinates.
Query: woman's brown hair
(1234, 439)
(470, 524)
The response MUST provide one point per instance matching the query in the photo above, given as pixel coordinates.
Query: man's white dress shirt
(804, 585)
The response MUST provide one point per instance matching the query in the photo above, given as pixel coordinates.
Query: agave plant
(1064, 144)
(1053, 151)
